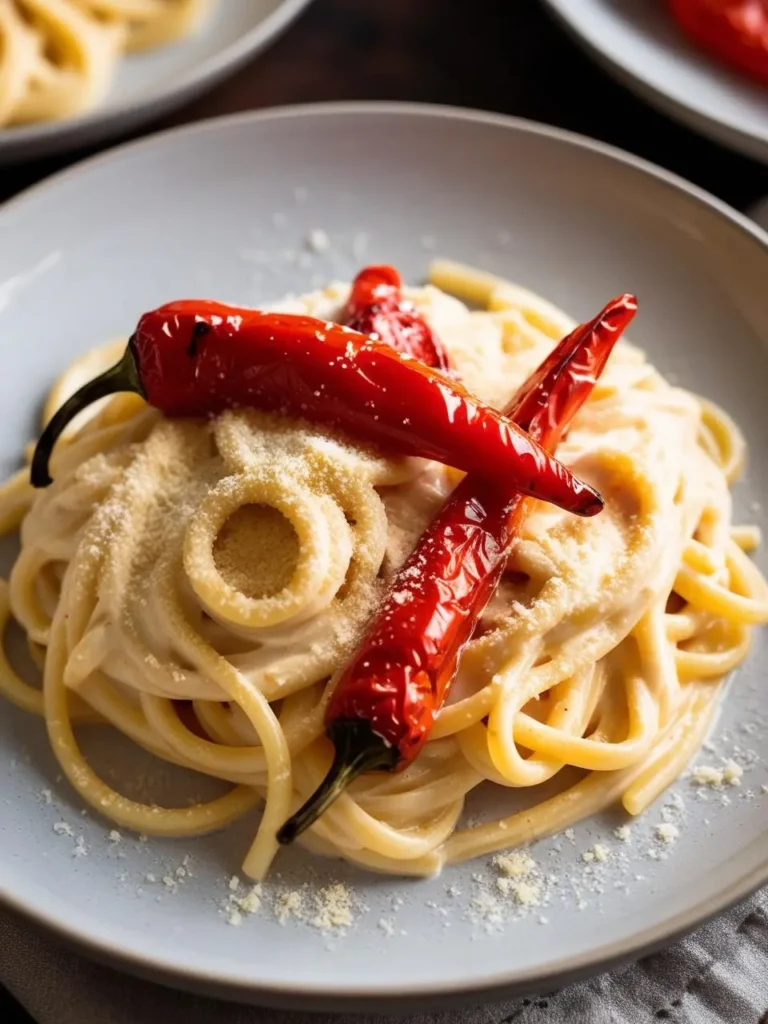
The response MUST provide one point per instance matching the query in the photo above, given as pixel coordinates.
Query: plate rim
(297, 994)
(692, 116)
(51, 136)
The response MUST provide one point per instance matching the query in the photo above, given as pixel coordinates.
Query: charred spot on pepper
(199, 331)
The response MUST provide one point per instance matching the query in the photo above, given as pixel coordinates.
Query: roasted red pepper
(199, 358)
(376, 306)
(386, 701)
(734, 31)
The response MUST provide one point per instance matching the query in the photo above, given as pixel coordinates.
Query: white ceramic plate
(224, 209)
(150, 84)
(639, 43)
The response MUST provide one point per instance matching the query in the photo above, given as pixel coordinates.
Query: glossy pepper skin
(734, 31)
(399, 678)
(376, 306)
(198, 358)
(386, 700)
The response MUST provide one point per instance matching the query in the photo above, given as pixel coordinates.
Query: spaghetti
(195, 584)
(58, 57)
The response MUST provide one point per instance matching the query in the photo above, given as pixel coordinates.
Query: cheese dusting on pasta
(195, 584)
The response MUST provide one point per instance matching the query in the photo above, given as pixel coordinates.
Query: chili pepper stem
(358, 749)
(123, 376)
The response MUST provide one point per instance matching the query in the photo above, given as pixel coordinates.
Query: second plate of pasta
(199, 590)
(76, 71)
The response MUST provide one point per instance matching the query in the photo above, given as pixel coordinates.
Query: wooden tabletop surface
(501, 55)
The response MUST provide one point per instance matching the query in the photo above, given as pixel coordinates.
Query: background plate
(641, 45)
(224, 209)
(149, 84)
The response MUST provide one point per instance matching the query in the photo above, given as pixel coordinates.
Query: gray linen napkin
(719, 975)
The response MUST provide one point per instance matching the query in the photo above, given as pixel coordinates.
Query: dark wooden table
(501, 55)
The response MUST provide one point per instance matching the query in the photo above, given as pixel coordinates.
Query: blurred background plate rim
(296, 994)
(695, 116)
(45, 138)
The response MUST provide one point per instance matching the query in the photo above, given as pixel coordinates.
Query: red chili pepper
(735, 31)
(199, 358)
(387, 698)
(376, 306)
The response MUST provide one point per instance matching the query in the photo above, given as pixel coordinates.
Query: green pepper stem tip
(358, 749)
(124, 376)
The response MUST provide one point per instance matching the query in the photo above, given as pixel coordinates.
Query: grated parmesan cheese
(334, 908)
(487, 909)
(716, 778)
(517, 864)
(288, 905)
(667, 833)
(527, 894)
(250, 903)
(598, 852)
(256, 551)
(706, 775)
(318, 240)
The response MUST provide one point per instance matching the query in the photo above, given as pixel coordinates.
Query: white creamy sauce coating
(235, 563)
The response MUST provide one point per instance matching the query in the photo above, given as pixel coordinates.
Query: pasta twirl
(196, 585)
(57, 57)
